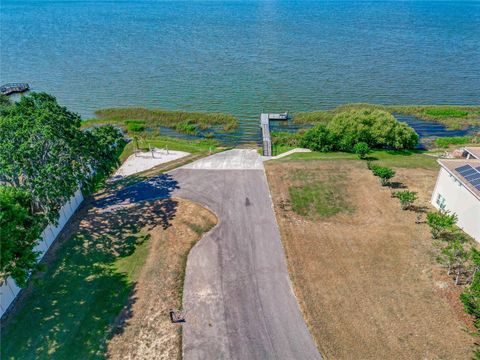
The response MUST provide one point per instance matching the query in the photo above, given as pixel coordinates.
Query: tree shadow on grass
(421, 209)
(71, 311)
(396, 185)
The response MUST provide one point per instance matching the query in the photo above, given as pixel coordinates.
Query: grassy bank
(445, 142)
(314, 196)
(181, 121)
(452, 116)
(400, 159)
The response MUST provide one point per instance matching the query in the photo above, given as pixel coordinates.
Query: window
(440, 201)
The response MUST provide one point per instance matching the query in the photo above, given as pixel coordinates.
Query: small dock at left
(12, 88)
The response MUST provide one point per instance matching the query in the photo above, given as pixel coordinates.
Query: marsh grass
(445, 142)
(186, 128)
(168, 118)
(452, 116)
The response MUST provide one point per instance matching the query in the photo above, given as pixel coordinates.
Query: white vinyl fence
(9, 290)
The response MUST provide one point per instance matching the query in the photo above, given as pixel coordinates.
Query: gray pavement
(238, 298)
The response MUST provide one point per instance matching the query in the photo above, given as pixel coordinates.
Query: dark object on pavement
(177, 316)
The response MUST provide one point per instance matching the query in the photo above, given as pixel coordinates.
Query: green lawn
(315, 194)
(401, 159)
(70, 312)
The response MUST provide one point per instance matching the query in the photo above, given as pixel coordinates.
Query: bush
(19, 233)
(407, 198)
(361, 149)
(384, 173)
(318, 138)
(440, 222)
(376, 128)
(471, 296)
(373, 128)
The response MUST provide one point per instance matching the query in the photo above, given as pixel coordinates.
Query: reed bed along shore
(181, 121)
(452, 116)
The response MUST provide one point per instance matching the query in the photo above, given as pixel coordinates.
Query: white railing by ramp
(9, 289)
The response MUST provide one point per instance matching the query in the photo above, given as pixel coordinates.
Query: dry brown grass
(367, 280)
(146, 331)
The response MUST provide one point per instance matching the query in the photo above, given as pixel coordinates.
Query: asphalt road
(238, 298)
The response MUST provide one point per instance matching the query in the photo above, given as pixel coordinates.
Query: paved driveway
(238, 298)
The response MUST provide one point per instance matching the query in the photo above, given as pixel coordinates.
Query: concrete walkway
(286, 153)
(238, 298)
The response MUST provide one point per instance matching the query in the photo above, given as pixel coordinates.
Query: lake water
(242, 57)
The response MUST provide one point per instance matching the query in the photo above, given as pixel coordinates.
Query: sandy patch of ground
(146, 160)
(366, 279)
(146, 331)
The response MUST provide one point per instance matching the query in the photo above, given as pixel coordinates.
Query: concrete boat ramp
(238, 299)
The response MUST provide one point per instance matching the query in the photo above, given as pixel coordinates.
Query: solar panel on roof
(462, 168)
(471, 174)
(474, 176)
(466, 170)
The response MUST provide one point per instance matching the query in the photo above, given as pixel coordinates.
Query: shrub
(376, 128)
(384, 173)
(19, 233)
(318, 138)
(440, 222)
(407, 198)
(471, 296)
(361, 149)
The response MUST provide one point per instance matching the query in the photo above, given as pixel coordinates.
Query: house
(458, 190)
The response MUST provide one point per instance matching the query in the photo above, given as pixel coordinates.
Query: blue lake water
(242, 57)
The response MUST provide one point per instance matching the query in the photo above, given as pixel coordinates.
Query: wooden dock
(12, 88)
(266, 141)
(265, 119)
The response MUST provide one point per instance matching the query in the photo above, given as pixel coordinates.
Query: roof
(475, 151)
(466, 171)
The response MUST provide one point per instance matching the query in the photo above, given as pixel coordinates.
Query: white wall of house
(455, 197)
(9, 290)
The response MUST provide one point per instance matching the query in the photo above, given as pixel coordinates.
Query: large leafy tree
(360, 129)
(104, 143)
(19, 232)
(376, 128)
(44, 158)
(42, 151)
